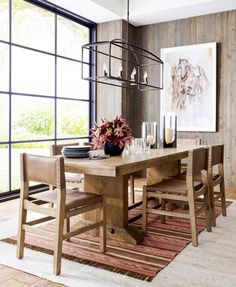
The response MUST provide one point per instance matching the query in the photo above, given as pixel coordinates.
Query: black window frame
(57, 11)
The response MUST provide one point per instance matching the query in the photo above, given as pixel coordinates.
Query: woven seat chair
(188, 142)
(59, 204)
(72, 179)
(216, 178)
(186, 192)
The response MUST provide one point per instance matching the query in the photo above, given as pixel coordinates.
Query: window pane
(69, 83)
(33, 26)
(4, 118)
(41, 148)
(4, 67)
(73, 118)
(34, 119)
(4, 20)
(4, 168)
(32, 72)
(70, 38)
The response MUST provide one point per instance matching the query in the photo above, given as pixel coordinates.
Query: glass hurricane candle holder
(149, 135)
(169, 130)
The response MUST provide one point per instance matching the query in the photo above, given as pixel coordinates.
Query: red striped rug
(142, 261)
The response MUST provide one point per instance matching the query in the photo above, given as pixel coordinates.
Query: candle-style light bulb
(145, 77)
(121, 71)
(104, 69)
(132, 76)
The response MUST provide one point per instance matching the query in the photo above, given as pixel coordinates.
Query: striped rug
(142, 261)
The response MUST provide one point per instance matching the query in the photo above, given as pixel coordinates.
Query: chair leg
(67, 227)
(222, 191)
(21, 231)
(193, 223)
(144, 210)
(131, 187)
(58, 242)
(163, 207)
(212, 206)
(103, 230)
(208, 212)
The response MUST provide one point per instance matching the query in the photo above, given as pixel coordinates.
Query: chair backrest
(43, 169)
(184, 142)
(56, 149)
(197, 162)
(216, 155)
(195, 141)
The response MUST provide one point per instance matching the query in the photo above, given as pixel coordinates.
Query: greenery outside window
(42, 97)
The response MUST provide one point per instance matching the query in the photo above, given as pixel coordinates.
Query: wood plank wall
(220, 28)
(109, 98)
(113, 101)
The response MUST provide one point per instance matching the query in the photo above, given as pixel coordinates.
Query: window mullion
(55, 106)
(10, 98)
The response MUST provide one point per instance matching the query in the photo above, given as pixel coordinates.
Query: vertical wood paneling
(109, 98)
(115, 101)
(220, 28)
(138, 106)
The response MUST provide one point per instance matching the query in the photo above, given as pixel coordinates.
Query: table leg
(115, 190)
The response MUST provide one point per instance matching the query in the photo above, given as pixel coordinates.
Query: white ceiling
(143, 12)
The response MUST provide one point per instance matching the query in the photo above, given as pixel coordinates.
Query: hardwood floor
(15, 278)
(12, 277)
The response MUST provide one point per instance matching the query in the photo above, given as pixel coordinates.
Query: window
(42, 97)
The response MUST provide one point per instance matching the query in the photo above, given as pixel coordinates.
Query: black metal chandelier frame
(123, 79)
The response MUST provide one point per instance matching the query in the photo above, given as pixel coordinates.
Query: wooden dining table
(110, 178)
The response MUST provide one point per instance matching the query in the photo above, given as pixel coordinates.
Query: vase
(149, 134)
(112, 149)
(169, 130)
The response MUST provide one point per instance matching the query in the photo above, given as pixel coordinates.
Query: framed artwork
(190, 86)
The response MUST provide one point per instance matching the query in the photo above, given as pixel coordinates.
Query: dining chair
(72, 179)
(58, 204)
(177, 190)
(188, 142)
(216, 178)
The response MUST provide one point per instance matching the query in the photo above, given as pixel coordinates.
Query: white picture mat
(198, 111)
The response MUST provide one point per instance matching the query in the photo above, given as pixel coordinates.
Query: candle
(120, 71)
(169, 135)
(150, 139)
(104, 69)
(145, 79)
(132, 76)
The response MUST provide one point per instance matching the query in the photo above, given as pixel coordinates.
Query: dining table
(109, 177)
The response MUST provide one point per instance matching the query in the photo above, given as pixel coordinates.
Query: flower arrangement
(115, 131)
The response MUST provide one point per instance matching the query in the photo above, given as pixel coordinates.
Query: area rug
(142, 261)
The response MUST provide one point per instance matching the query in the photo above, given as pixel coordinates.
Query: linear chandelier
(122, 64)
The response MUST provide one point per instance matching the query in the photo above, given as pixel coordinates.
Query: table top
(127, 163)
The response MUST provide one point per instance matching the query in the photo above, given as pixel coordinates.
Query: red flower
(115, 131)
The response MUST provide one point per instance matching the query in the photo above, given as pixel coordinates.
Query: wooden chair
(216, 178)
(58, 204)
(72, 179)
(184, 142)
(182, 191)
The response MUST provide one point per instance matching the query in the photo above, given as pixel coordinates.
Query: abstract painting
(190, 86)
